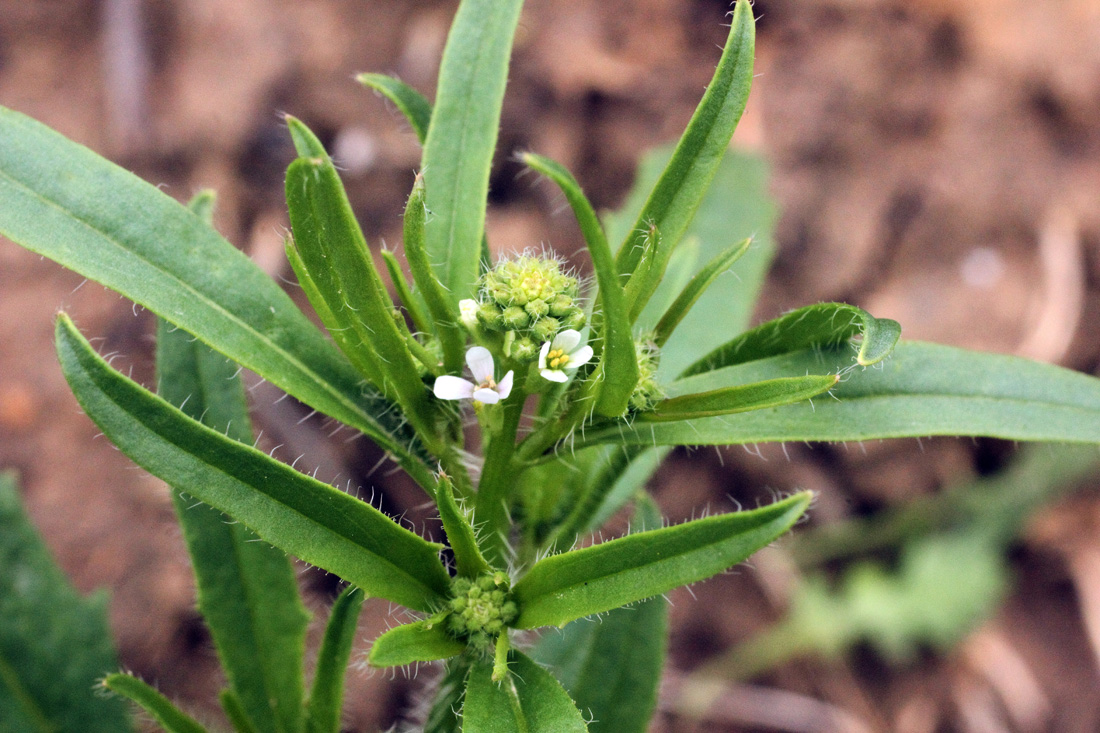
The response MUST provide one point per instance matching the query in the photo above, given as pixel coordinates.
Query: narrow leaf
(171, 718)
(461, 140)
(54, 645)
(64, 202)
(824, 324)
(327, 697)
(741, 398)
(575, 584)
(411, 103)
(443, 311)
(612, 667)
(292, 511)
(234, 710)
(460, 533)
(675, 198)
(334, 252)
(546, 705)
(405, 294)
(443, 716)
(247, 589)
(695, 289)
(619, 363)
(923, 389)
(489, 707)
(420, 641)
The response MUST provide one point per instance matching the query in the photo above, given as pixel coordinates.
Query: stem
(497, 479)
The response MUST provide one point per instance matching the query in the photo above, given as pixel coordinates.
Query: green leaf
(443, 311)
(546, 705)
(405, 294)
(443, 716)
(171, 718)
(327, 697)
(923, 389)
(63, 201)
(247, 589)
(737, 205)
(741, 398)
(54, 645)
(619, 363)
(332, 247)
(612, 667)
(580, 583)
(460, 533)
(234, 710)
(420, 641)
(417, 109)
(824, 324)
(461, 140)
(695, 289)
(489, 707)
(292, 511)
(674, 200)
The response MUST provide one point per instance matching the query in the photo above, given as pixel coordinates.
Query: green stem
(497, 479)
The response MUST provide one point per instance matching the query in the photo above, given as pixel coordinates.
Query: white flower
(467, 309)
(486, 390)
(561, 354)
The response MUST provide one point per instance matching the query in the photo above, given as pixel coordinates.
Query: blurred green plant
(655, 354)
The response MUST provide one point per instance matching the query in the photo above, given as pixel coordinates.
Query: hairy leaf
(417, 109)
(171, 718)
(292, 511)
(327, 696)
(419, 641)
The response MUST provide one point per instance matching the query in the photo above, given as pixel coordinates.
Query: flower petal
(580, 356)
(542, 354)
(567, 340)
(505, 387)
(487, 396)
(480, 362)
(554, 375)
(453, 388)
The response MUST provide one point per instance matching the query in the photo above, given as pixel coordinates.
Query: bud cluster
(647, 391)
(481, 608)
(530, 300)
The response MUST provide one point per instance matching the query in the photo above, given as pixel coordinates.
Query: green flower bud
(545, 328)
(481, 609)
(647, 391)
(574, 320)
(490, 315)
(513, 317)
(561, 306)
(523, 349)
(537, 309)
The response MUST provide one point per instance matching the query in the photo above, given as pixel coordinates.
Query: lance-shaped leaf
(171, 718)
(61, 200)
(740, 398)
(443, 311)
(612, 667)
(674, 200)
(292, 511)
(327, 696)
(420, 641)
(247, 589)
(694, 290)
(443, 716)
(333, 250)
(458, 151)
(411, 103)
(824, 324)
(408, 299)
(923, 389)
(54, 645)
(529, 700)
(575, 584)
(234, 710)
(460, 533)
(618, 362)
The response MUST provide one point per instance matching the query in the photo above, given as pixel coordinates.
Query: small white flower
(562, 353)
(467, 310)
(486, 390)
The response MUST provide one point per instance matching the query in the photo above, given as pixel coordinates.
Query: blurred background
(931, 161)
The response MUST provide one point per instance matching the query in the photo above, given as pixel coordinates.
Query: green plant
(615, 375)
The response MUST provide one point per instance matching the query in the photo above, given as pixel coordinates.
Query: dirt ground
(934, 162)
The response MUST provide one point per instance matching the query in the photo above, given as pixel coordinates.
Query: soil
(934, 162)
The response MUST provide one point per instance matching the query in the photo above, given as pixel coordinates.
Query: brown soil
(935, 162)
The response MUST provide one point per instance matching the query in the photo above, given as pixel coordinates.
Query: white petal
(505, 387)
(453, 388)
(554, 375)
(480, 362)
(567, 340)
(486, 395)
(542, 354)
(580, 356)
(467, 309)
